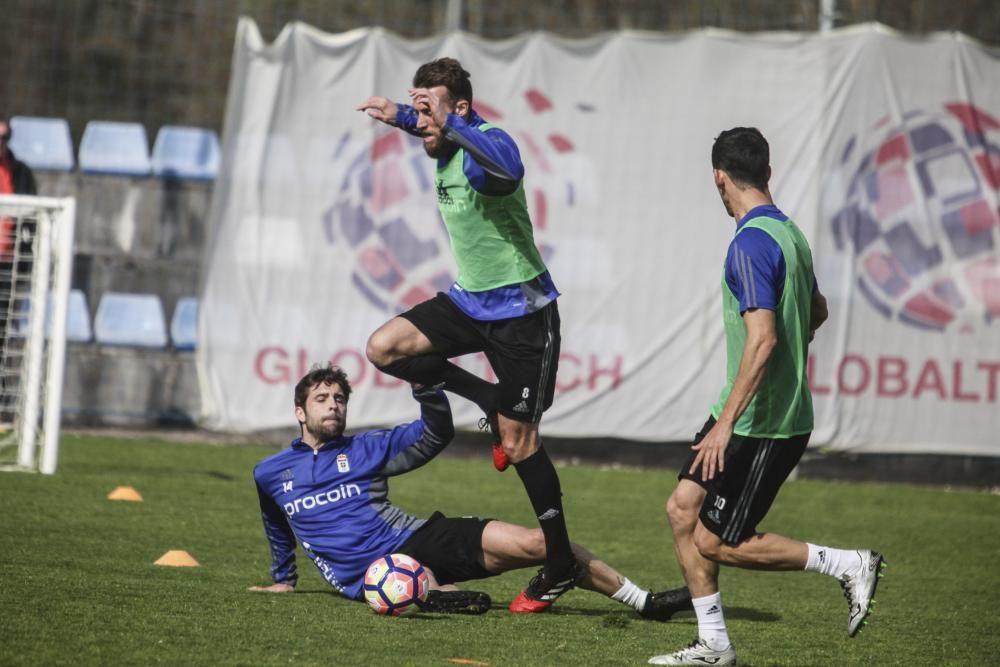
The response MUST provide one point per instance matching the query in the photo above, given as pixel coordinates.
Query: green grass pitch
(78, 585)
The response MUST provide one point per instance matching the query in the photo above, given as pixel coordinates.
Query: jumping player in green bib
(760, 426)
(503, 302)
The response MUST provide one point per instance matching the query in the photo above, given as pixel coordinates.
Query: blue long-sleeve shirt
(492, 164)
(755, 265)
(492, 161)
(335, 500)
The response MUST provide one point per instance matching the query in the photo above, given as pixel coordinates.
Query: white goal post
(36, 260)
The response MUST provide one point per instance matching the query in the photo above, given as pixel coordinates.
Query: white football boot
(859, 589)
(698, 653)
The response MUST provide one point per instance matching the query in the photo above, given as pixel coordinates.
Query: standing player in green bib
(760, 426)
(503, 302)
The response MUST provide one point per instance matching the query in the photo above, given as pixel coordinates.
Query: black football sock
(425, 369)
(472, 387)
(542, 484)
(430, 369)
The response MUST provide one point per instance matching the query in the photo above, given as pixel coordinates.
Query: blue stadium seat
(114, 148)
(184, 323)
(77, 318)
(130, 319)
(190, 153)
(43, 143)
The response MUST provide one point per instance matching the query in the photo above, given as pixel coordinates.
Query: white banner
(885, 150)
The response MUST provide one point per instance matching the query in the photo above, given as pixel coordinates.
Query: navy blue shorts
(738, 498)
(523, 351)
(451, 548)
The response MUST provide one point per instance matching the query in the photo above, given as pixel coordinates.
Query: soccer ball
(395, 585)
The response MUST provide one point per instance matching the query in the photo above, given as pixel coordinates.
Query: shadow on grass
(741, 613)
(148, 471)
(616, 618)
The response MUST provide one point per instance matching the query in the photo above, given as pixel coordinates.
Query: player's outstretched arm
(380, 108)
(273, 588)
(281, 539)
(410, 446)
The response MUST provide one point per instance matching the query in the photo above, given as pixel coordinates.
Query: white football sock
(833, 562)
(631, 595)
(711, 622)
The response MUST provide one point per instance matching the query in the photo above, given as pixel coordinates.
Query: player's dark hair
(445, 72)
(317, 375)
(743, 153)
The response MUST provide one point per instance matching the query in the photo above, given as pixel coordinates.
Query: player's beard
(324, 431)
(441, 148)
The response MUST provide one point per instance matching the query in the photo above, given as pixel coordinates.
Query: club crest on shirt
(343, 465)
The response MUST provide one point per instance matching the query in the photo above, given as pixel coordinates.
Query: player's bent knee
(708, 544)
(519, 441)
(680, 512)
(516, 451)
(372, 350)
(672, 508)
(379, 348)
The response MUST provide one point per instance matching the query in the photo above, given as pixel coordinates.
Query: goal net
(36, 256)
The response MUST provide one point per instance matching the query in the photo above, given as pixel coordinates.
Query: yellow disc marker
(125, 493)
(177, 558)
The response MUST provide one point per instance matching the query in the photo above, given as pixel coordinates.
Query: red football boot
(500, 460)
(540, 594)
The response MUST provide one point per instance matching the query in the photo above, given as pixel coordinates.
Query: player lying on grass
(330, 491)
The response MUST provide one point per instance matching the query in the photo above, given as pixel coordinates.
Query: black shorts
(451, 548)
(737, 499)
(523, 351)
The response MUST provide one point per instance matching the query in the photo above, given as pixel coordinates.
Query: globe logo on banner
(920, 216)
(386, 211)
